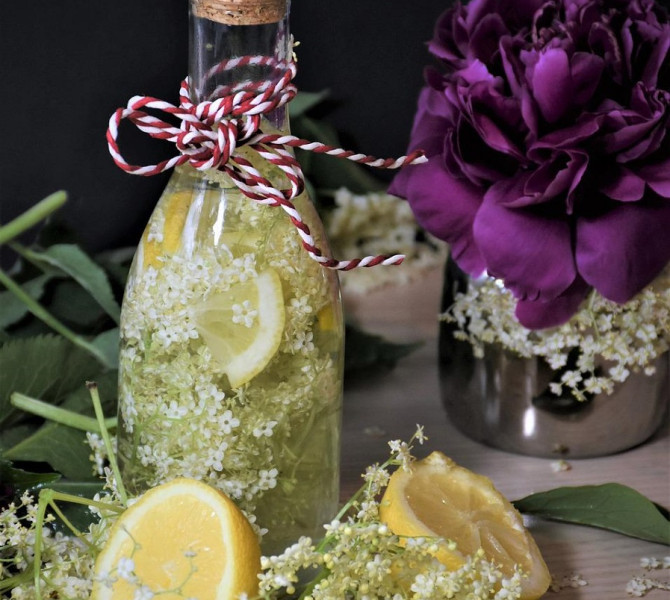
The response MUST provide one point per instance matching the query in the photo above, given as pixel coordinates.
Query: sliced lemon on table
(182, 539)
(176, 208)
(438, 498)
(243, 326)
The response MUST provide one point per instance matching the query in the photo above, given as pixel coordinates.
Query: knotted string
(211, 131)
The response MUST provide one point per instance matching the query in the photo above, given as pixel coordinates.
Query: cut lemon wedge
(438, 498)
(182, 539)
(243, 326)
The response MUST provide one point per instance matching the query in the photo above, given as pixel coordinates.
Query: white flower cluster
(361, 558)
(642, 585)
(606, 341)
(271, 438)
(378, 223)
(67, 561)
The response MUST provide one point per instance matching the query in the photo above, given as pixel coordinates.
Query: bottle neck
(213, 44)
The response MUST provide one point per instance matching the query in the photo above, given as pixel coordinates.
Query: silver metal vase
(504, 401)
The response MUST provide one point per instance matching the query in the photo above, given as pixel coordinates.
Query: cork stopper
(240, 12)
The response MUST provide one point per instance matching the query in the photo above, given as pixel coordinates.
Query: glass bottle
(232, 336)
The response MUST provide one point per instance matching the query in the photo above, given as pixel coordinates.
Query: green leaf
(12, 309)
(609, 506)
(73, 304)
(45, 367)
(364, 350)
(70, 259)
(117, 263)
(21, 480)
(331, 173)
(108, 344)
(78, 514)
(63, 448)
(305, 101)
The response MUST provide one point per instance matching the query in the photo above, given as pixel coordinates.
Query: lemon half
(438, 498)
(182, 539)
(243, 326)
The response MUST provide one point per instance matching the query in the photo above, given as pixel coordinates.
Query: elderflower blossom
(360, 557)
(600, 346)
(67, 560)
(181, 416)
(641, 585)
(378, 223)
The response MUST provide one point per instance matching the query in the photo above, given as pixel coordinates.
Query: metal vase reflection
(503, 400)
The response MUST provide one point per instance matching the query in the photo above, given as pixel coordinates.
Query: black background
(66, 65)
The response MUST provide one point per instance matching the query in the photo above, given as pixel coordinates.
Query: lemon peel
(437, 498)
(181, 539)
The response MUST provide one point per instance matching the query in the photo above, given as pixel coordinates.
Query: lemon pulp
(438, 498)
(181, 539)
(243, 326)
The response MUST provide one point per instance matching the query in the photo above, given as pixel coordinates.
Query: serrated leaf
(73, 261)
(305, 101)
(327, 172)
(12, 309)
(364, 350)
(45, 367)
(610, 506)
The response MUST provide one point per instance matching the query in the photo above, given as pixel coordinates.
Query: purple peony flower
(549, 159)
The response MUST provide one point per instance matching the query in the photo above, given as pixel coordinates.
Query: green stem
(95, 397)
(44, 498)
(68, 523)
(72, 499)
(41, 313)
(57, 414)
(32, 216)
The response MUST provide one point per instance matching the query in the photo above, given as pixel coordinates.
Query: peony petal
(540, 314)
(622, 184)
(485, 36)
(657, 176)
(658, 56)
(445, 207)
(432, 121)
(623, 250)
(531, 253)
(586, 70)
(552, 84)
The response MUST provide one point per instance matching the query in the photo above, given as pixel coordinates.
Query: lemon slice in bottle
(182, 539)
(176, 210)
(438, 498)
(243, 326)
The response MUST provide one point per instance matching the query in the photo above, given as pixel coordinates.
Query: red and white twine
(211, 131)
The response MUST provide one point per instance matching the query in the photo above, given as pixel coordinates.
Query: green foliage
(609, 506)
(58, 314)
(365, 350)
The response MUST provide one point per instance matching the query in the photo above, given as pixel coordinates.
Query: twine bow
(211, 131)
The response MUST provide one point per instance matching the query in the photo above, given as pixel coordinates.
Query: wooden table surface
(384, 405)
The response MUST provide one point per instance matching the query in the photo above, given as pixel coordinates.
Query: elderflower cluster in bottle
(230, 362)
(378, 223)
(609, 340)
(361, 558)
